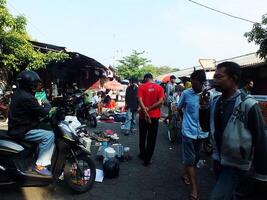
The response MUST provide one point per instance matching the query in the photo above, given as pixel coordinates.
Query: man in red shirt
(150, 96)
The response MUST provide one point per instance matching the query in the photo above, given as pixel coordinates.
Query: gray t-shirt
(169, 92)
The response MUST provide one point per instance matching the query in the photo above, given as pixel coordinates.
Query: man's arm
(204, 119)
(126, 97)
(204, 112)
(36, 109)
(144, 108)
(181, 101)
(158, 104)
(257, 127)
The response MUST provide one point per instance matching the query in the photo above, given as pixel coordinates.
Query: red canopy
(166, 79)
(113, 85)
(96, 85)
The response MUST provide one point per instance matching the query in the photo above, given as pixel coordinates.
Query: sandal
(185, 180)
(192, 197)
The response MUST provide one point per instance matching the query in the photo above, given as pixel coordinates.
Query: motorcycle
(86, 113)
(4, 104)
(71, 159)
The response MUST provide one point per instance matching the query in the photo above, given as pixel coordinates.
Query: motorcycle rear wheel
(80, 181)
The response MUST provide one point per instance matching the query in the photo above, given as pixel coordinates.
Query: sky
(175, 33)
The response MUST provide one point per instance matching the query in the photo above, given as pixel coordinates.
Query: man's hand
(204, 99)
(147, 117)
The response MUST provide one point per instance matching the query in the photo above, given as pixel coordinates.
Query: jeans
(227, 180)
(45, 140)
(130, 120)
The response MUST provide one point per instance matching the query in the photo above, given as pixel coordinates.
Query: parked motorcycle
(70, 159)
(86, 113)
(4, 104)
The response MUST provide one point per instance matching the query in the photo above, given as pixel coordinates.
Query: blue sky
(172, 32)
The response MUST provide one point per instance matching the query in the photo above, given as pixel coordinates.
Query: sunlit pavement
(161, 180)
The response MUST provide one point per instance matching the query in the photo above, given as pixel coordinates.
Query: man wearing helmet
(24, 117)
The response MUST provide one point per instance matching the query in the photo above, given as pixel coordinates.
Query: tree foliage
(129, 66)
(258, 34)
(17, 52)
(135, 65)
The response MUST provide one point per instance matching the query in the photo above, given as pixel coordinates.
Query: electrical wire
(36, 28)
(224, 13)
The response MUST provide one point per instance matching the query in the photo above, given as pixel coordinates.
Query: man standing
(170, 88)
(131, 104)
(236, 125)
(150, 96)
(192, 133)
(247, 87)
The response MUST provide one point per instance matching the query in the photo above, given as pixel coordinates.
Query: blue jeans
(227, 180)
(45, 140)
(130, 120)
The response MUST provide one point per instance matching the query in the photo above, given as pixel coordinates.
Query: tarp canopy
(167, 79)
(95, 86)
(113, 85)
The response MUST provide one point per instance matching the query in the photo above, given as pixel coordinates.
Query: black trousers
(147, 137)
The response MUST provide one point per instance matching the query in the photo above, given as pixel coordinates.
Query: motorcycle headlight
(86, 142)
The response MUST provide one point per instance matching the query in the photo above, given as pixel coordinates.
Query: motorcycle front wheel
(80, 175)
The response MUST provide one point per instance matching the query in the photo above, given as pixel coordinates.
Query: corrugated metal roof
(247, 60)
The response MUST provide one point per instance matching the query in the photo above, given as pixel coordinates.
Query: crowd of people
(227, 114)
(231, 118)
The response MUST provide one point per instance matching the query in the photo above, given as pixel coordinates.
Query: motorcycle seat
(26, 144)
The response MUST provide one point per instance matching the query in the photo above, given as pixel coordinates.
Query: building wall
(259, 76)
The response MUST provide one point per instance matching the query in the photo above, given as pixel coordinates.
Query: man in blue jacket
(237, 130)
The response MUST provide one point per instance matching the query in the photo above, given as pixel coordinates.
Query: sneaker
(42, 171)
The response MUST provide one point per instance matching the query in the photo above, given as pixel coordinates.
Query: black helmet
(111, 168)
(28, 80)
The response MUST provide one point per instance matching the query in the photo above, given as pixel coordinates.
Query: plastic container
(109, 152)
(119, 150)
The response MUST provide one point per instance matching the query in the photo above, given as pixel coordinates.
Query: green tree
(148, 69)
(17, 52)
(258, 35)
(166, 69)
(130, 66)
